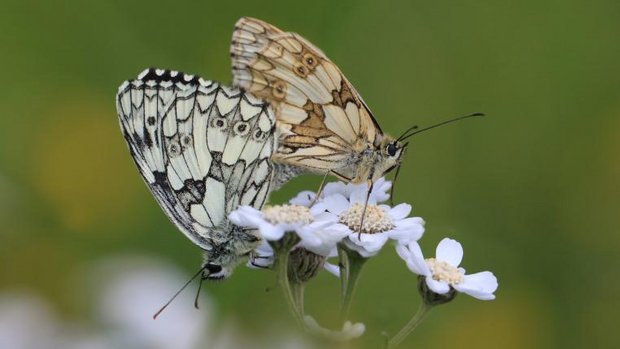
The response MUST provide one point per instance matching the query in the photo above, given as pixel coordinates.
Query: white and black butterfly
(203, 149)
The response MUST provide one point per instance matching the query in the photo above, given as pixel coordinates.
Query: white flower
(309, 223)
(274, 221)
(381, 222)
(442, 272)
(349, 330)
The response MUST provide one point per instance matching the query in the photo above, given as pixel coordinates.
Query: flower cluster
(344, 213)
(353, 222)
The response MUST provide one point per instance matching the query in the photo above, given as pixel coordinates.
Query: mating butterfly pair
(204, 149)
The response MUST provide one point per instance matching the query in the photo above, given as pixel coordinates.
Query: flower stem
(410, 326)
(297, 289)
(282, 249)
(351, 264)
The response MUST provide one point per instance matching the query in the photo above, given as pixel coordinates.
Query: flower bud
(431, 298)
(303, 265)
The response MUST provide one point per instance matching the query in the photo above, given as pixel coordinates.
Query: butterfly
(203, 150)
(323, 123)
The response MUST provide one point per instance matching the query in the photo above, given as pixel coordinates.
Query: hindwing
(202, 148)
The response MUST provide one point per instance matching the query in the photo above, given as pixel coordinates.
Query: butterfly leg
(370, 185)
(320, 191)
(393, 185)
(198, 293)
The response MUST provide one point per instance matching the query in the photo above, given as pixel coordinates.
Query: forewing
(202, 148)
(318, 111)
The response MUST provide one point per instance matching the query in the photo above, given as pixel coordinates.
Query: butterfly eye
(213, 268)
(242, 128)
(219, 122)
(392, 149)
(259, 135)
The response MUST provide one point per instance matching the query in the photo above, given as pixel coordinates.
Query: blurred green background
(532, 192)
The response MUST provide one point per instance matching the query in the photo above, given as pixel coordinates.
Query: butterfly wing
(322, 119)
(203, 149)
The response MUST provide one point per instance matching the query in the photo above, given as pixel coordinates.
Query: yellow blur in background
(532, 191)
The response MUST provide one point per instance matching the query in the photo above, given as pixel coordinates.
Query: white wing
(203, 149)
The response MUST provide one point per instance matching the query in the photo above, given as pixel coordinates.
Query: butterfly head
(390, 152)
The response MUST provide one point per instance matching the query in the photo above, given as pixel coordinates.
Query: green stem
(352, 264)
(410, 326)
(282, 250)
(298, 295)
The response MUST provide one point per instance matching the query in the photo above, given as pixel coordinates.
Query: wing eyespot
(259, 135)
(278, 90)
(174, 149)
(300, 70)
(219, 123)
(310, 61)
(241, 128)
(186, 140)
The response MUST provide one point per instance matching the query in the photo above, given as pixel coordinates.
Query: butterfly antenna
(198, 293)
(359, 235)
(178, 292)
(407, 131)
(401, 138)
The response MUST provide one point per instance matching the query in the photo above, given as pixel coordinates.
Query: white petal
(399, 212)
(359, 194)
(406, 232)
(417, 260)
(380, 190)
(334, 188)
(308, 237)
(406, 255)
(262, 256)
(480, 285)
(333, 253)
(370, 242)
(326, 218)
(271, 232)
(411, 221)
(403, 252)
(260, 262)
(336, 203)
(246, 216)
(359, 249)
(264, 249)
(449, 251)
(304, 198)
(440, 287)
(349, 331)
(332, 269)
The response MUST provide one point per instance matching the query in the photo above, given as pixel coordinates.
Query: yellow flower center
(376, 220)
(287, 214)
(443, 271)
